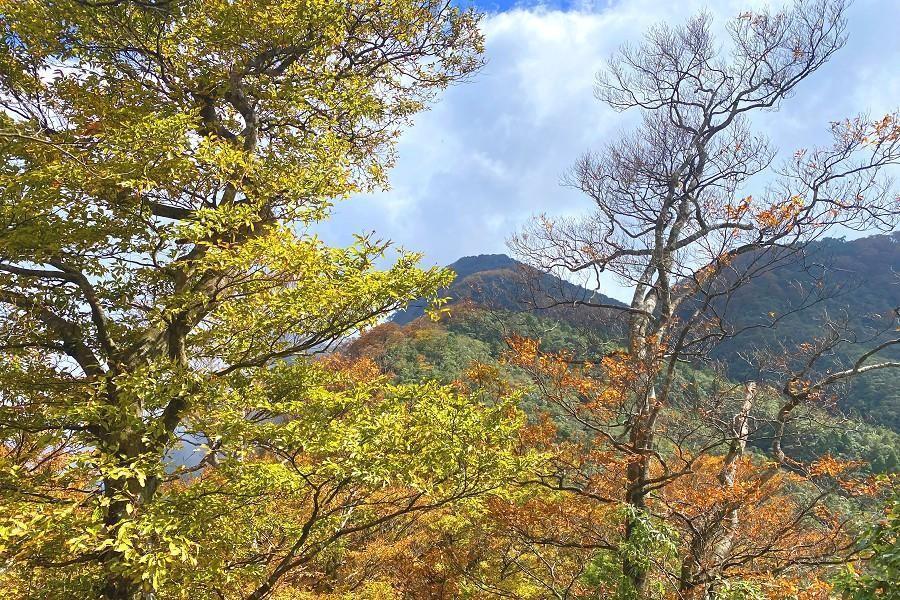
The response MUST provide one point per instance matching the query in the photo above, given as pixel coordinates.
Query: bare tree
(671, 220)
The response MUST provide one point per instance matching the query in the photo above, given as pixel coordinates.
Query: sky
(489, 154)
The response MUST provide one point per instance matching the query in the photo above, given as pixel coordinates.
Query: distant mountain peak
(498, 281)
(468, 265)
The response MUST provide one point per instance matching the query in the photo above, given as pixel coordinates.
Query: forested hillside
(496, 281)
(856, 280)
(490, 300)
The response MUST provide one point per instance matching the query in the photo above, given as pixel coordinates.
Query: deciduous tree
(165, 164)
(673, 221)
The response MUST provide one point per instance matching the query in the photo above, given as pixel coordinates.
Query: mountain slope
(447, 350)
(862, 286)
(498, 282)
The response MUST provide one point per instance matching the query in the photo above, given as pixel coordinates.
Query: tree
(719, 521)
(164, 166)
(670, 222)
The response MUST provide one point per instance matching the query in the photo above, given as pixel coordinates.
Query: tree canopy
(165, 165)
(194, 403)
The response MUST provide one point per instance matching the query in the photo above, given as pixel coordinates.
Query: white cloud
(491, 152)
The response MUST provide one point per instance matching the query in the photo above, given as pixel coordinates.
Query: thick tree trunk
(120, 588)
(117, 587)
(689, 586)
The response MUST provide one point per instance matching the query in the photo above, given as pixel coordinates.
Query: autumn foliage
(196, 392)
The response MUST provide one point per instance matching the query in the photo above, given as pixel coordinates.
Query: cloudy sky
(490, 153)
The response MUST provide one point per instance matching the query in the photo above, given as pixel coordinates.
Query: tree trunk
(641, 439)
(728, 526)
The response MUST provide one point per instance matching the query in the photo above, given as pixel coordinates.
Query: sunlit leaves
(164, 171)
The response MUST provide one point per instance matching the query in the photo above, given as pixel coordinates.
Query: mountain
(857, 281)
(498, 282)
(861, 286)
(492, 299)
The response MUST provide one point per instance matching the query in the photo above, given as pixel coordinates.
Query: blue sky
(489, 154)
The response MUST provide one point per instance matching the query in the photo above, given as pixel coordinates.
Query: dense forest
(200, 398)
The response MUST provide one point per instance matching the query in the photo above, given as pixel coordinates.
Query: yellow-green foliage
(165, 166)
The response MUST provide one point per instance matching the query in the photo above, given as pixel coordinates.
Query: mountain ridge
(497, 281)
(866, 271)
